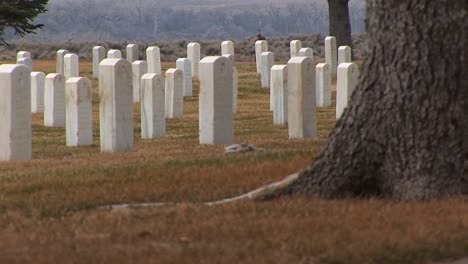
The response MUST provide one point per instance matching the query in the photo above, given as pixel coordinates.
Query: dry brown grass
(48, 205)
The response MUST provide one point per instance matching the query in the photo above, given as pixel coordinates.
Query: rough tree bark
(402, 134)
(339, 25)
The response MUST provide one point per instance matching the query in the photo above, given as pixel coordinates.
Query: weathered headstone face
(344, 54)
(294, 47)
(60, 64)
(235, 83)
(139, 68)
(215, 106)
(193, 54)
(279, 94)
(132, 52)
(331, 53)
(306, 52)
(260, 47)
(227, 48)
(23, 54)
(153, 58)
(99, 53)
(37, 92)
(114, 54)
(71, 65)
(15, 112)
(347, 77)
(153, 109)
(302, 120)
(174, 93)
(54, 100)
(185, 66)
(79, 112)
(267, 59)
(26, 62)
(116, 105)
(323, 84)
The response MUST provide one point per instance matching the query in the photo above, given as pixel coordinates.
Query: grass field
(48, 206)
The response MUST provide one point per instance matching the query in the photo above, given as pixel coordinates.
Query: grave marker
(79, 112)
(153, 59)
(99, 53)
(71, 66)
(54, 100)
(37, 92)
(185, 66)
(347, 77)
(139, 68)
(153, 112)
(193, 54)
(267, 60)
(279, 94)
(174, 93)
(323, 77)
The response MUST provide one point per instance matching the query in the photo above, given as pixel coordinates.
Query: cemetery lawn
(48, 206)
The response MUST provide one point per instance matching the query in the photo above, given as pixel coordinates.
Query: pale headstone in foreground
(114, 54)
(331, 53)
(323, 84)
(37, 92)
(79, 112)
(71, 66)
(306, 52)
(227, 48)
(174, 90)
(54, 100)
(279, 94)
(260, 47)
(153, 110)
(26, 62)
(99, 53)
(347, 77)
(193, 54)
(153, 59)
(302, 120)
(139, 68)
(215, 101)
(15, 112)
(235, 83)
(267, 60)
(60, 64)
(132, 52)
(185, 66)
(344, 54)
(116, 105)
(294, 47)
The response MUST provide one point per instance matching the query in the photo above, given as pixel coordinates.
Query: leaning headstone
(260, 47)
(227, 48)
(26, 62)
(60, 64)
(99, 53)
(302, 121)
(153, 110)
(347, 77)
(323, 84)
(132, 52)
(215, 101)
(37, 92)
(235, 83)
(185, 66)
(174, 93)
(139, 68)
(116, 105)
(71, 66)
(267, 60)
(330, 53)
(306, 52)
(279, 94)
(344, 54)
(193, 54)
(114, 54)
(153, 59)
(23, 54)
(15, 111)
(294, 47)
(79, 112)
(54, 100)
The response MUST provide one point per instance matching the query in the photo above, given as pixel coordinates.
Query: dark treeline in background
(153, 20)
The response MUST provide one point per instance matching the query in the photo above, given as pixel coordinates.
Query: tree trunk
(402, 133)
(339, 25)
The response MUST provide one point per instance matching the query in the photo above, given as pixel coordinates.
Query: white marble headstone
(37, 92)
(331, 53)
(71, 65)
(344, 54)
(193, 54)
(139, 68)
(153, 110)
(114, 54)
(153, 58)
(347, 77)
(185, 66)
(279, 94)
(323, 84)
(267, 60)
(132, 52)
(260, 47)
(79, 112)
(54, 100)
(99, 53)
(294, 47)
(227, 48)
(60, 63)
(174, 91)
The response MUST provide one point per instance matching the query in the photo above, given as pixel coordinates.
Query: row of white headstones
(66, 99)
